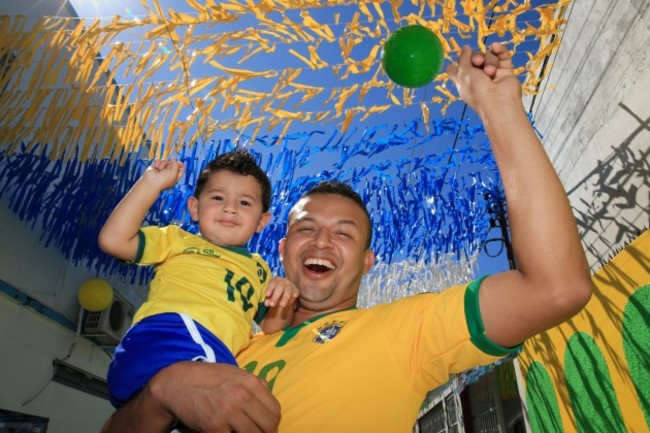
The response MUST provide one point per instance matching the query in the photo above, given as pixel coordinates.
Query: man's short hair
(339, 188)
(241, 162)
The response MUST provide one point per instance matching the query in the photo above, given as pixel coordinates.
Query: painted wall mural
(592, 373)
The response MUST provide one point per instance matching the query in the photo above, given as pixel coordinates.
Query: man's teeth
(320, 262)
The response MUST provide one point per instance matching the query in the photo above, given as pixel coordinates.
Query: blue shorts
(155, 343)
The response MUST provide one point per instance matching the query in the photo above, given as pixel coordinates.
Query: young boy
(207, 288)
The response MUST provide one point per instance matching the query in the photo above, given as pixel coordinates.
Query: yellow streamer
(63, 87)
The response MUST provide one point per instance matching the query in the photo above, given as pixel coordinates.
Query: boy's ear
(193, 207)
(264, 220)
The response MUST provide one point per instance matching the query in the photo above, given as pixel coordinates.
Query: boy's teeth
(320, 262)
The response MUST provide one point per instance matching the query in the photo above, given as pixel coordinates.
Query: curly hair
(238, 161)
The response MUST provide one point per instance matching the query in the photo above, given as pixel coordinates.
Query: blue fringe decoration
(426, 196)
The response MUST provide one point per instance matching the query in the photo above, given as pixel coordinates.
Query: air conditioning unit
(107, 327)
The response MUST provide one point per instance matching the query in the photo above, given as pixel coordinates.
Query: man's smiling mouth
(319, 265)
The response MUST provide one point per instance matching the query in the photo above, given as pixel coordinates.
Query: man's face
(324, 253)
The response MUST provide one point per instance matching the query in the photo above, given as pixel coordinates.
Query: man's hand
(205, 397)
(485, 78)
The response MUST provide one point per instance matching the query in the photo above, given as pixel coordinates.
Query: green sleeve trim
(141, 242)
(261, 313)
(475, 323)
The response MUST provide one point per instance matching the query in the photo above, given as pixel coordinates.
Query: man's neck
(303, 314)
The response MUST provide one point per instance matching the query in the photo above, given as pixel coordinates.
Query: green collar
(291, 332)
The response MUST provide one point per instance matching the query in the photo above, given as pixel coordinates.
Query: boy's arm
(119, 235)
(552, 282)
(280, 297)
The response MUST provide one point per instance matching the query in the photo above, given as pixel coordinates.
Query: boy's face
(229, 209)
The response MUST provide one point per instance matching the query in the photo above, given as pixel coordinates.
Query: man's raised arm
(552, 281)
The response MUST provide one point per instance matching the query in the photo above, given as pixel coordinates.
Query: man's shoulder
(420, 300)
(422, 296)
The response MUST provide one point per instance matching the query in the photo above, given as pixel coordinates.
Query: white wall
(42, 273)
(29, 342)
(36, 7)
(594, 114)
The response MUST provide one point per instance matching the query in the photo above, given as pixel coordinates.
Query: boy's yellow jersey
(219, 287)
(369, 370)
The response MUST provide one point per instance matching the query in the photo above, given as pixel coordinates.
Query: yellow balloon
(95, 295)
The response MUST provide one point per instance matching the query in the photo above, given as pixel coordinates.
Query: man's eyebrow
(310, 219)
(349, 222)
(298, 219)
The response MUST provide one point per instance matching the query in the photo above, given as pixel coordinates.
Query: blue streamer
(422, 206)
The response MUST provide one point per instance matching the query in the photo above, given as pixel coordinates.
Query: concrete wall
(61, 8)
(593, 114)
(29, 341)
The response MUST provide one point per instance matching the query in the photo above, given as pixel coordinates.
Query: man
(340, 369)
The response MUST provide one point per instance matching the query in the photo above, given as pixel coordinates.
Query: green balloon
(412, 56)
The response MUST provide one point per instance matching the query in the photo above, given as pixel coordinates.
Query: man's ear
(368, 261)
(193, 207)
(264, 220)
(281, 247)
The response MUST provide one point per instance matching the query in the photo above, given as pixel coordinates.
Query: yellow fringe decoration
(164, 79)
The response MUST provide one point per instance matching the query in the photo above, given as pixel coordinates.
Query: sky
(133, 9)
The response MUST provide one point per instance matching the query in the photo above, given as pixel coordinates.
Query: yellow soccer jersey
(368, 370)
(219, 287)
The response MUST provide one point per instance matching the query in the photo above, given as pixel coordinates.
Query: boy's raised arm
(119, 235)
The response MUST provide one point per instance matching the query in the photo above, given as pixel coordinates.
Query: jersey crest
(328, 331)
(261, 273)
